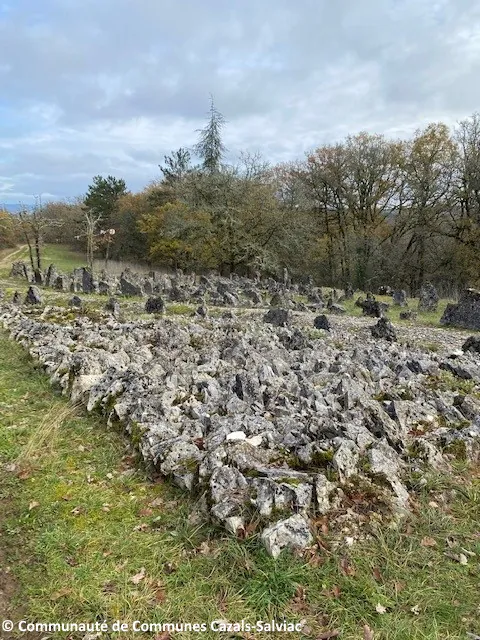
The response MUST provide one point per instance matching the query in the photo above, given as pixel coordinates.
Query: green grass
(64, 258)
(81, 519)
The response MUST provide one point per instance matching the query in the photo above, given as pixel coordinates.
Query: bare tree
(34, 224)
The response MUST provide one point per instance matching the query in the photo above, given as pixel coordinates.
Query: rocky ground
(277, 423)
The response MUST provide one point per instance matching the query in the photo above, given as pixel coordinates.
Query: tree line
(367, 211)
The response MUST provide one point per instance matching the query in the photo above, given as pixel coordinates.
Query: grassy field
(89, 536)
(64, 258)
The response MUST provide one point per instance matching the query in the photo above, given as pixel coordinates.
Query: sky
(92, 87)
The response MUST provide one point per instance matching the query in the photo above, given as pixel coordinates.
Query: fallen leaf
(160, 595)
(399, 586)
(367, 633)
(428, 542)
(380, 609)
(329, 634)
(138, 577)
(145, 512)
(158, 502)
(76, 511)
(377, 575)
(61, 593)
(346, 568)
(415, 610)
(33, 505)
(163, 636)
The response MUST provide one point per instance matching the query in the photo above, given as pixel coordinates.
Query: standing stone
(113, 306)
(472, 344)
(33, 296)
(400, 298)
(82, 280)
(38, 275)
(384, 330)
(61, 283)
(465, 314)
(277, 317)
(19, 270)
(154, 305)
(428, 298)
(349, 291)
(104, 288)
(51, 276)
(321, 322)
(373, 308)
(75, 301)
(87, 281)
(128, 286)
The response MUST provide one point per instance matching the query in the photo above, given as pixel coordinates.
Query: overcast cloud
(110, 86)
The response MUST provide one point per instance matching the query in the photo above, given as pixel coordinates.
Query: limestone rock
(291, 533)
(465, 314)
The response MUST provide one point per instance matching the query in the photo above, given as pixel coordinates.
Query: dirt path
(7, 255)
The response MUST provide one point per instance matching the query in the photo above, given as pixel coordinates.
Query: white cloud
(111, 87)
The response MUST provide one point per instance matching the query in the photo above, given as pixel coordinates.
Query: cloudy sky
(110, 86)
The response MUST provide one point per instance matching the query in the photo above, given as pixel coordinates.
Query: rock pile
(258, 417)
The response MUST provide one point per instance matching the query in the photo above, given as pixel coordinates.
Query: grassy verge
(89, 537)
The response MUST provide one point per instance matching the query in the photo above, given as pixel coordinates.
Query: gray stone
(465, 314)
(20, 270)
(292, 533)
(51, 276)
(428, 299)
(322, 322)
(154, 305)
(400, 298)
(33, 296)
(373, 308)
(384, 330)
(39, 277)
(408, 315)
(75, 301)
(472, 344)
(104, 288)
(113, 306)
(277, 317)
(128, 285)
(62, 283)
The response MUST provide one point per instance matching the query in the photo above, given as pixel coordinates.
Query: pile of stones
(261, 418)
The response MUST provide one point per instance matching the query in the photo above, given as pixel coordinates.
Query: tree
(34, 225)
(8, 230)
(429, 170)
(210, 147)
(177, 166)
(102, 197)
(91, 223)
